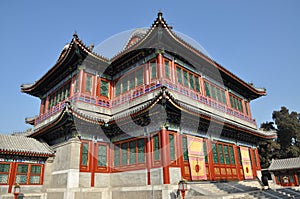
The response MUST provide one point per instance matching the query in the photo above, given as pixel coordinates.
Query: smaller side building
(22, 161)
(285, 172)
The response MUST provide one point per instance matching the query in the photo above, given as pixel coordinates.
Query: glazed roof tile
(283, 164)
(21, 144)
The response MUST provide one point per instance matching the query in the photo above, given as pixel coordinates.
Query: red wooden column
(253, 164)
(257, 159)
(12, 176)
(93, 162)
(210, 160)
(237, 162)
(227, 98)
(160, 65)
(148, 158)
(165, 155)
(202, 91)
(80, 80)
(180, 153)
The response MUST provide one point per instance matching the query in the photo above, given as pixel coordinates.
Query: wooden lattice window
(4, 173)
(141, 150)
(185, 149)
(153, 70)
(35, 174)
(156, 147)
(197, 84)
(231, 155)
(124, 157)
(116, 155)
(221, 154)
(139, 76)
(84, 154)
(186, 78)
(167, 69)
(179, 75)
(172, 147)
(215, 153)
(104, 88)
(21, 176)
(88, 83)
(102, 155)
(132, 152)
(226, 154)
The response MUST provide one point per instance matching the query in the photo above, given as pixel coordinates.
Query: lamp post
(17, 191)
(182, 187)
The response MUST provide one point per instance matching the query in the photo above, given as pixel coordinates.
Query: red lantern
(17, 190)
(182, 187)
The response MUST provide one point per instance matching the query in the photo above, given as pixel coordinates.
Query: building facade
(134, 125)
(285, 172)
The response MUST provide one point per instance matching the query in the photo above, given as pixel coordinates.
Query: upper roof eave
(161, 23)
(64, 56)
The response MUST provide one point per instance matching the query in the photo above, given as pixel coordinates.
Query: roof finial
(159, 14)
(75, 35)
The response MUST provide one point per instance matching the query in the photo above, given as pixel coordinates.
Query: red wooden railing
(140, 91)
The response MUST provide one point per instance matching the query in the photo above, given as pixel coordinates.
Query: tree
(268, 149)
(288, 132)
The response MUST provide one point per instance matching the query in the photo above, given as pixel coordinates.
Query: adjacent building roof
(284, 164)
(21, 145)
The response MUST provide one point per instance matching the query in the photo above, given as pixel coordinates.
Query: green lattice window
(76, 85)
(223, 97)
(139, 76)
(4, 173)
(213, 92)
(4, 168)
(192, 86)
(84, 154)
(35, 172)
(153, 70)
(221, 155)
(88, 83)
(186, 78)
(197, 84)
(104, 88)
(125, 84)
(124, 154)
(226, 154)
(185, 149)
(205, 152)
(36, 169)
(179, 75)
(172, 147)
(141, 150)
(215, 153)
(131, 81)
(22, 171)
(117, 88)
(207, 89)
(231, 155)
(167, 69)
(102, 155)
(116, 155)
(156, 147)
(132, 152)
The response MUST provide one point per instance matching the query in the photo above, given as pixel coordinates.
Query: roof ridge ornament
(75, 36)
(160, 21)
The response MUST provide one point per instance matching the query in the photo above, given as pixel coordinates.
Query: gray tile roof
(20, 145)
(283, 164)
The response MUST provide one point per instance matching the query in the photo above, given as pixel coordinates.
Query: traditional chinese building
(285, 172)
(157, 112)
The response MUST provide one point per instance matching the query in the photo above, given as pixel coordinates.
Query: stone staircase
(242, 190)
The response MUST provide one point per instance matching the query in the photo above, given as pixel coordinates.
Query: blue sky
(256, 40)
